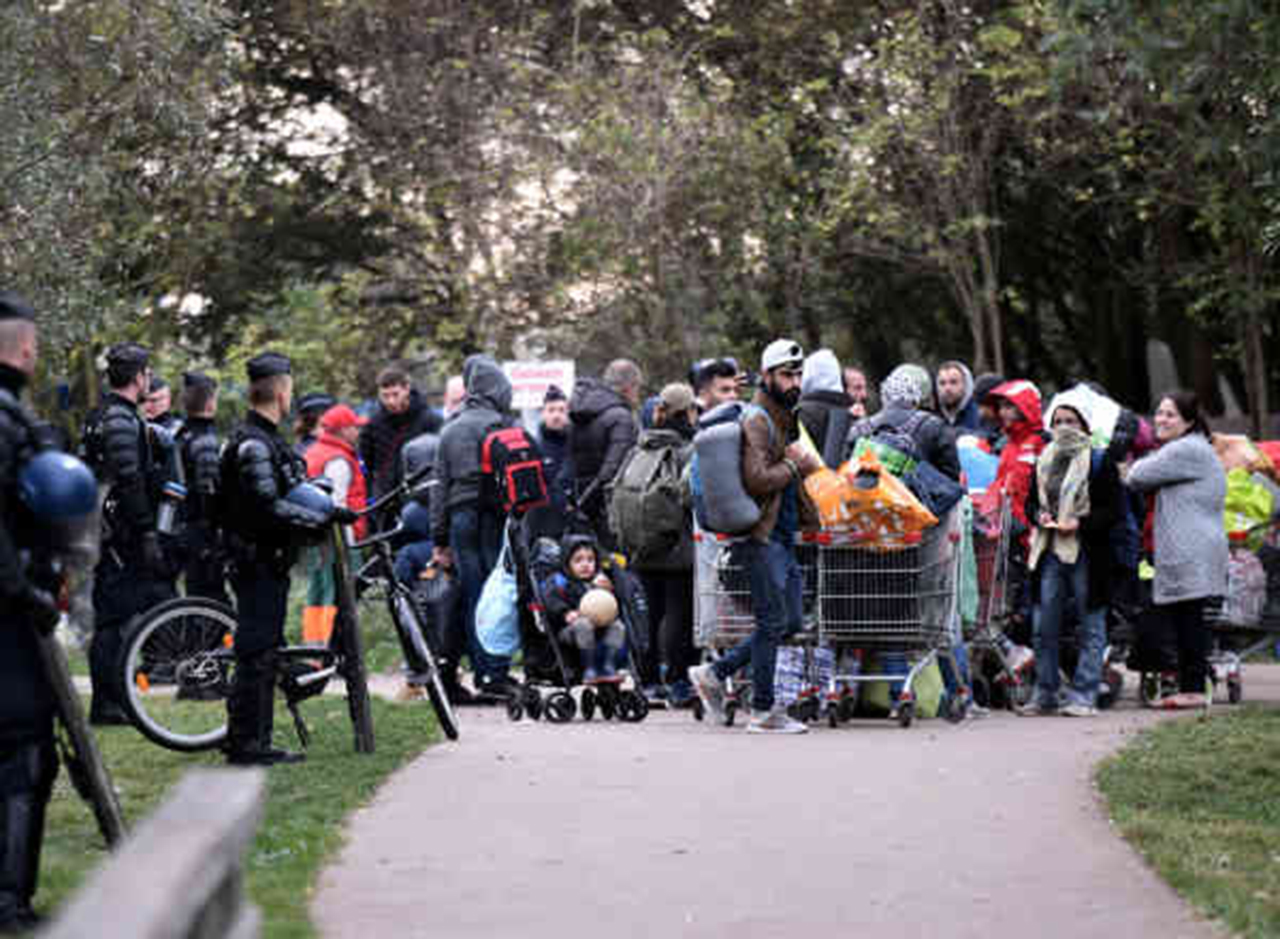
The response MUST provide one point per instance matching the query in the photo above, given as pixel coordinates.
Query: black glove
(152, 555)
(40, 608)
(345, 516)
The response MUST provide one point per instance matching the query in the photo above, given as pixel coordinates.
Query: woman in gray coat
(1190, 541)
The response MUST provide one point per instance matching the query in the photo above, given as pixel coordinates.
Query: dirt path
(671, 828)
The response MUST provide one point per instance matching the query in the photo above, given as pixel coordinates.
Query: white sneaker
(710, 689)
(775, 722)
(1079, 710)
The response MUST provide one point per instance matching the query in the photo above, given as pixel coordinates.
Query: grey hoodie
(458, 477)
(965, 414)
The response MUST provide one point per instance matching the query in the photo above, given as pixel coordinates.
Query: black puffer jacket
(604, 431)
(26, 699)
(825, 415)
(385, 434)
(118, 449)
(458, 478)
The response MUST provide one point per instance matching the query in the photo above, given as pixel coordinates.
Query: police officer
(259, 473)
(28, 763)
(132, 574)
(200, 450)
(157, 407)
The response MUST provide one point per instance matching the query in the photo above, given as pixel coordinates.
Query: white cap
(781, 352)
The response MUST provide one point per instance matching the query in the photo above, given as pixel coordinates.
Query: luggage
(724, 507)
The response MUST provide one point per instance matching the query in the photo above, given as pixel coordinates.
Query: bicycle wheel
(178, 666)
(408, 621)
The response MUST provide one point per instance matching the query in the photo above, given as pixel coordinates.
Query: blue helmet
(57, 486)
(60, 498)
(310, 496)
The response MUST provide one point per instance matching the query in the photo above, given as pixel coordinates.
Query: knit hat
(904, 388)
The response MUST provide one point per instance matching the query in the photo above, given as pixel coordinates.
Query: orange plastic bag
(830, 493)
(880, 505)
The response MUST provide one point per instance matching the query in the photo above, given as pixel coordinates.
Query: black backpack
(513, 469)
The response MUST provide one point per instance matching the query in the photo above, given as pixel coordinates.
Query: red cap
(340, 416)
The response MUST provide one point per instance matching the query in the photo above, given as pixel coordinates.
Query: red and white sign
(530, 381)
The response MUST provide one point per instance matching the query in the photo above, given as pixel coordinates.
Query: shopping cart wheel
(730, 713)
(956, 708)
(1235, 691)
(833, 717)
(906, 714)
(515, 710)
(588, 705)
(1020, 695)
(698, 709)
(560, 708)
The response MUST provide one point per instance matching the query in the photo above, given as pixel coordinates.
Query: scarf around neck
(1062, 481)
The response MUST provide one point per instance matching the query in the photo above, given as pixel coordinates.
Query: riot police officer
(200, 450)
(260, 477)
(28, 762)
(133, 574)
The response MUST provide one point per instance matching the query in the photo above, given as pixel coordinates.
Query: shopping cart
(1246, 621)
(900, 602)
(723, 618)
(1000, 672)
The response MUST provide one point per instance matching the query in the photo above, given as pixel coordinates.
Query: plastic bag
(880, 505)
(497, 612)
(1237, 451)
(978, 466)
(830, 493)
(1246, 588)
(1249, 504)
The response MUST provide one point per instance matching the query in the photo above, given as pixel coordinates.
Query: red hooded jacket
(331, 447)
(1017, 470)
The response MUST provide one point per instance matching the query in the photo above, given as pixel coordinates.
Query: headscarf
(906, 386)
(1062, 480)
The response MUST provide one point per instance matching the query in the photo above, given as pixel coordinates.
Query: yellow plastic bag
(880, 506)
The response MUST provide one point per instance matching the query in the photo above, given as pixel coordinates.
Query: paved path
(671, 828)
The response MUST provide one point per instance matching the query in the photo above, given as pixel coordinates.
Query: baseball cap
(782, 353)
(340, 416)
(677, 396)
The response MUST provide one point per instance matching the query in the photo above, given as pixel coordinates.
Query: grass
(305, 806)
(1200, 799)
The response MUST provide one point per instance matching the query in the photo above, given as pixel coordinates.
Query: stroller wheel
(633, 707)
(588, 706)
(1235, 691)
(699, 711)
(532, 702)
(608, 701)
(560, 708)
(515, 710)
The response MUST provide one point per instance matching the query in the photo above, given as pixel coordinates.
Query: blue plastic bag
(497, 612)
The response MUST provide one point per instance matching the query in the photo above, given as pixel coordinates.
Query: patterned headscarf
(906, 386)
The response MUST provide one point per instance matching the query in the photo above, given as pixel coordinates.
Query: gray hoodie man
(953, 385)
(458, 477)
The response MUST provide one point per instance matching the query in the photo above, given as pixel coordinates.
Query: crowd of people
(1084, 517)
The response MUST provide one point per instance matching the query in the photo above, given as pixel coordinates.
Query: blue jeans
(1057, 581)
(476, 540)
(777, 598)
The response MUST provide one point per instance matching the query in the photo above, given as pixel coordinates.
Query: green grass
(1200, 799)
(302, 826)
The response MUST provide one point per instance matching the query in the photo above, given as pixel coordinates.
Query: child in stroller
(565, 581)
(582, 612)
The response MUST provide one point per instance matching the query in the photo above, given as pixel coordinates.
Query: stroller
(555, 673)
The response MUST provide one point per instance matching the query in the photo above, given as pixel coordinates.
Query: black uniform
(260, 526)
(202, 557)
(132, 575)
(28, 763)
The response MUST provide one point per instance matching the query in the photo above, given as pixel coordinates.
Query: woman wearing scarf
(1074, 501)
(1190, 541)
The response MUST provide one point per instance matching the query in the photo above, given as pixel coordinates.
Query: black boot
(21, 833)
(250, 715)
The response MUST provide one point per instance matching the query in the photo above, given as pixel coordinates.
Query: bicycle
(178, 661)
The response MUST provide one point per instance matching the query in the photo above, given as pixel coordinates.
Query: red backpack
(513, 469)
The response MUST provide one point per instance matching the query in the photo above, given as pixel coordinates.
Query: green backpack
(646, 509)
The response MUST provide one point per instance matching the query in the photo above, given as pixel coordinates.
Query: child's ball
(600, 606)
